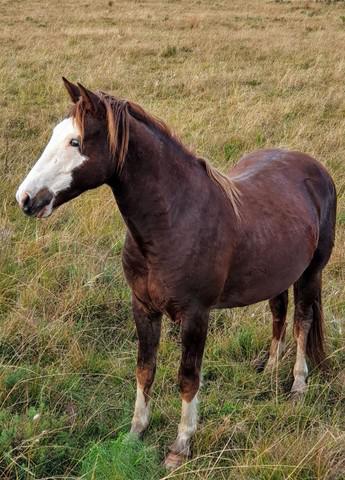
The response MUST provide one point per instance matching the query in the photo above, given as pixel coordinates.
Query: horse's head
(78, 156)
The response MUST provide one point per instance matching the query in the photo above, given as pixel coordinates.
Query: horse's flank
(117, 114)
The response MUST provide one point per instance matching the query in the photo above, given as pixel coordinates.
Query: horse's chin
(46, 211)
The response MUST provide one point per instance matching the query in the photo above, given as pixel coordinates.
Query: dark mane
(118, 112)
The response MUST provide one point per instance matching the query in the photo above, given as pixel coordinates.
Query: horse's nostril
(25, 199)
(26, 202)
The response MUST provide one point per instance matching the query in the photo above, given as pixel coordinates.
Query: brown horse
(196, 239)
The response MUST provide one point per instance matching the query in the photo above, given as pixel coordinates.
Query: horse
(196, 239)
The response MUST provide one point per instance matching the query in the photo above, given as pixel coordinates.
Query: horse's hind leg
(308, 326)
(148, 326)
(278, 306)
(308, 317)
(193, 331)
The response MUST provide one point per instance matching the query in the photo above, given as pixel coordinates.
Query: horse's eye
(74, 142)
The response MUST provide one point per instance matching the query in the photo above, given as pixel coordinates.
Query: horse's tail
(316, 339)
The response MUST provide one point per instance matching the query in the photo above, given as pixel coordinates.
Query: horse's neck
(156, 178)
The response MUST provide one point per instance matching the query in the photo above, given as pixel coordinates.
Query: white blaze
(53, 170)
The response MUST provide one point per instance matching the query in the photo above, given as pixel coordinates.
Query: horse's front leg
(148, 326)
(193, 332)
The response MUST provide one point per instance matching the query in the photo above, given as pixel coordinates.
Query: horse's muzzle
(38, 205)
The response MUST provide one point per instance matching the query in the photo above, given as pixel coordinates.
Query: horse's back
(276, 163)
(293, 175)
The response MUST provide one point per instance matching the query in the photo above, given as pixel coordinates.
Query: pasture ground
(229, 77)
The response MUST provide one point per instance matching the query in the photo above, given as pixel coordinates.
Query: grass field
(229, 77)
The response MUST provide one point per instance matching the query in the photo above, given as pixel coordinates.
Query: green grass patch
(125, 458)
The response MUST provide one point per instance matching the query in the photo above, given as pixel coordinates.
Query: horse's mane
(118, 112)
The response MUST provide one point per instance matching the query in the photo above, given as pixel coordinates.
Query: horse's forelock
(77, 112)
(116, 112)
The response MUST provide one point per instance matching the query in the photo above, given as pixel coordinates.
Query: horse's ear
(92, 100)
(72, 90)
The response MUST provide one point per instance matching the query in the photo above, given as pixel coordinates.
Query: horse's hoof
(296, 396)
(269, 367)
(131, 437)
(135, 435)
(260, 363)
(137, 431)
(174, 460)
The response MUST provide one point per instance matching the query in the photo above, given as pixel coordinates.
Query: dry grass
(229, 77)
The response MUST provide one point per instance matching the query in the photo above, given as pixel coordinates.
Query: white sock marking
(276, 351)
(187, 426)
(141, 412)
(300, 369)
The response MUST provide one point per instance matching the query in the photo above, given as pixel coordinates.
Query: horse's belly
(262, 273)
(255, 289)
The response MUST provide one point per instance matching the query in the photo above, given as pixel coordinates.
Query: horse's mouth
(45, 211)
(40, 206)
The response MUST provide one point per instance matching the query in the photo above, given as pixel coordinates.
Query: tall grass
(229, 77)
